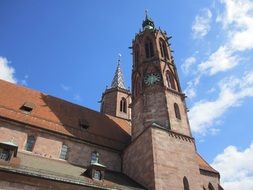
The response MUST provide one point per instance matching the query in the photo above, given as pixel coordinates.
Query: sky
(69, 49)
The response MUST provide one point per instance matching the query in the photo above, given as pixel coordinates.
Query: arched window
(186, 184)
(123, 105)
(170, 80)
(136, 55)
(210, 187)
(30, 143)
(64, 152)
(149, 48)
(137, 86)
(94, 157)
(177, 111)
(163, 49)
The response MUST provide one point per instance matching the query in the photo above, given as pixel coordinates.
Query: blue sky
(69, 49)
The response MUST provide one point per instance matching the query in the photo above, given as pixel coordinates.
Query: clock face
(151, 79)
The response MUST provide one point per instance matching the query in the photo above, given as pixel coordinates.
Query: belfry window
(64, 152)
(30, 143)
(94, 157)
(177, 111)
(163, 49)
(136, 55)
(186, 184)
(149, 49)
(170, 80)
(123, 105)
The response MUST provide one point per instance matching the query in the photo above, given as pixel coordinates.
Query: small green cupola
(148, 22)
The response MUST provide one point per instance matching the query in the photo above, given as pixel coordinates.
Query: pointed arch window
(163, 48)
(170, 80)
(136, 55)
(177, 111)
(149, 49)
(30, 143)
(186, 184)
(210, 187)
(123, 105)
(137, 86)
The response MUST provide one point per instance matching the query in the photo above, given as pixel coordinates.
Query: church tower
(162, 154)
(115, 100)
(157, 96)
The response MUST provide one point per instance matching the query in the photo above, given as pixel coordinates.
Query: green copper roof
(148, 22)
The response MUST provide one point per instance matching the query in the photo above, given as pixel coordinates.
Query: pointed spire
(118, 77)
(146, 13)
(147, 23)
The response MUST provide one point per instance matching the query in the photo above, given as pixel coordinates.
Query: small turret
(116, 99)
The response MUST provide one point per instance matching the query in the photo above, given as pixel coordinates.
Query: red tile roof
(60, 116)
(204, 165)
(63, 117)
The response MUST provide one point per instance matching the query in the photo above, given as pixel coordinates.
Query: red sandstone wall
(180, 126)
(174, 158)
(138, 160)
(208, 177)
(49, 145)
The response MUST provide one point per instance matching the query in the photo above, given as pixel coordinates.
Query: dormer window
(95, 170)
(83, 123)
(5, 154)
(8, 150)
(27, 107)
(94, 157)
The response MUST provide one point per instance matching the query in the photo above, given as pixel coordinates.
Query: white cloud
(205, 114)
(237, 25)
(187, 64)
(77, 98)
(236, 168)
(219, 61)
(190, 91)
(238, 20)
(24, 81)
(201, 25)
(6, 71)
(65, 87)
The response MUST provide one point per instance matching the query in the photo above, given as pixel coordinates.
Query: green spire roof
(148, 22)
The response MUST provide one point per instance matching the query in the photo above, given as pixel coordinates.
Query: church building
(140, 139)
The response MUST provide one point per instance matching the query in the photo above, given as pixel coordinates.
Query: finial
(119, 58)
(146, 13)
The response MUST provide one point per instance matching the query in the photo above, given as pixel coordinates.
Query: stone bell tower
(162, 154)
(116, 99)
(157, 96)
